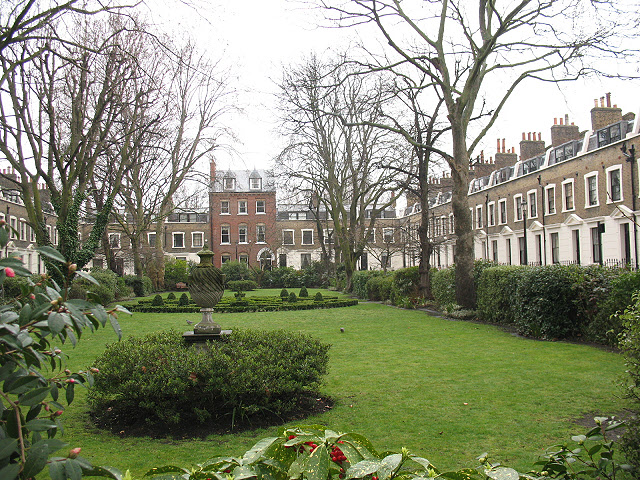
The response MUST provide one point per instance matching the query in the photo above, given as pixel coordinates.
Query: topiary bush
(303, 292)
(158, 378)
(284, 293)
(171, 296)
(157, 301)
(292, 297)
(318, 297)
(184, 300)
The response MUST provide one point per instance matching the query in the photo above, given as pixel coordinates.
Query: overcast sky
(256, 38)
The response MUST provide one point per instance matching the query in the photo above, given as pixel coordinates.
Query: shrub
(249, 372)
(318, 297)
(544, 300)
(100, 294)
(303, 292)
(242, 285)
(171, 296)
(184, 300)
(359, 282)
(406, 282)
(175, 271)
(379, 288)
(236, 271)
(443, 286)
(630, 346)
(284, 293)
(105, 278)
(496, 289)
(157, 301)
(141, 286)
(315, 274)
(292, 297)
(122, 290)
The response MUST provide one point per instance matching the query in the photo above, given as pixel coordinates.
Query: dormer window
(229, 183)
(255, 183)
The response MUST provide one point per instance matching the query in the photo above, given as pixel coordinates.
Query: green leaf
(166, 469)
(56, 322)
(106, 472)
(34, 396)
(8, 317)
(503, 473)
(389, 465)
(363, 468)
(11, 471)
(464, 474)
(87, 277)
(51, 253)
(242, 472)
(4, 237)
(8, 446)
(25, 314)
(317, 467)
(36, 459)
(70, 392)
(56, 471)
(116, 326)
(21, 385)
(73, 469)
(258, 450)
(40, 424)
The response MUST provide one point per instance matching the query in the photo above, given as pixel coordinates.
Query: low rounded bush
(284, 293)
(100, 294)
(157, 301)
(303, 292)
(158, 378)
(406, 282)
(141, 286)
(242, 285)
(184, 300)
(292, 297)
(379, 288)
(318, 297)
(171, 296)
(496, 288)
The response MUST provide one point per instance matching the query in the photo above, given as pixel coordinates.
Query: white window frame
(263, 210)
(224, 228)
(479, 217)
(228, 183)
(222, 207)
(501, 202)
(386, 238)
(533, 204)
(225, 257)
(261, 231)
(547, 195)
(587, 177)
(255, 183)
(173, 239)
(564, 195)
(13, 223)
(245, 234)
(246, 207)
(452, 224)
(443, 222)
(193, 237)
(307, 231)
(293, 236)
(117, 243)
(149, 234)
(517, 207)
(608, 171)
(492, 214)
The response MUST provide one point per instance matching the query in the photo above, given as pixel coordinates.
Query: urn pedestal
(206, 286)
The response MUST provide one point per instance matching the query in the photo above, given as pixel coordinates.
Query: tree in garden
(57, 124)
(467, 49)
(34, 380)
(344, 167)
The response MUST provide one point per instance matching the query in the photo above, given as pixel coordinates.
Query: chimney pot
(555, 121)
(560, 121)
(566, 119)
(539, 136)
(602, 102)
(595, 101)
(498, 145)
(523, 136)
(503, 147)
(609, 100)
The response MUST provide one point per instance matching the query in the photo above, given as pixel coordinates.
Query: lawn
(447, 390)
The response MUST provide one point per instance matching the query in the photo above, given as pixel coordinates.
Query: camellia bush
(34, 382)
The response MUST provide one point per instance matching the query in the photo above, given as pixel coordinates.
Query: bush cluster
(112, 287)
(249, 372)
(242, 285)
(400, 287)
(557, 301)
(313, 275)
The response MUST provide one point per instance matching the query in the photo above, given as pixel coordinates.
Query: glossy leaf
(7, 447)
(37, 457)
(105, 472)
(34, 396)
(317, 467)
(363, 468)
(72, 469)
(11, 471)
(40, 424)
(56, 322)
(70, 392)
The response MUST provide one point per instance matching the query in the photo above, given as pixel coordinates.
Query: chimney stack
(564, 132)
(531, 148)
(603, 116)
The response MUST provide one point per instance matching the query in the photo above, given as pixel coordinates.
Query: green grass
(447, 390)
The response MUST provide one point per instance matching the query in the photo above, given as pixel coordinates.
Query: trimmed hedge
(158, 378)
(495, 292)
(443, 286)
(242, 285)
(250, 304)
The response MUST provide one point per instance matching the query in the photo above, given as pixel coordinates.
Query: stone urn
(206, 286)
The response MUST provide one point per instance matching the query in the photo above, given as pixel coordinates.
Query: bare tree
(344, 166)
(56, 126)
(469, 49)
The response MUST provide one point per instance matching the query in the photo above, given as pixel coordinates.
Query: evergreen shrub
(303, 292)
(292, 297)
(249, 372)
(242, 285)
(184, 300)
(284, 293)
(157, 301)
(443, 286)
(318, 297)
(495, 292)
(359, 281)
(379, 287)
(171, 296)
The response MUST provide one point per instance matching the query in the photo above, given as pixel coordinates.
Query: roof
(241, 181)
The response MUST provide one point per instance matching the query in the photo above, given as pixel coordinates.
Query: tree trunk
(465, 288)
(426, 249)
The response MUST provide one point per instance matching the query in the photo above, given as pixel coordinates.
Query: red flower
(9, 272)
(74, 452)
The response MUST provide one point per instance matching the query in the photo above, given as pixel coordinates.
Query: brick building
(242, 206)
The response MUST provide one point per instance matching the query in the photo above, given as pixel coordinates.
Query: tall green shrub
(237, 271)
(359, 282)
(496, 288)
(443, 286)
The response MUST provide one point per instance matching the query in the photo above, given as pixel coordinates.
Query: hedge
(242, 285)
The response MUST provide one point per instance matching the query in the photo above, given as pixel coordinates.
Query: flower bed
(247, 304)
